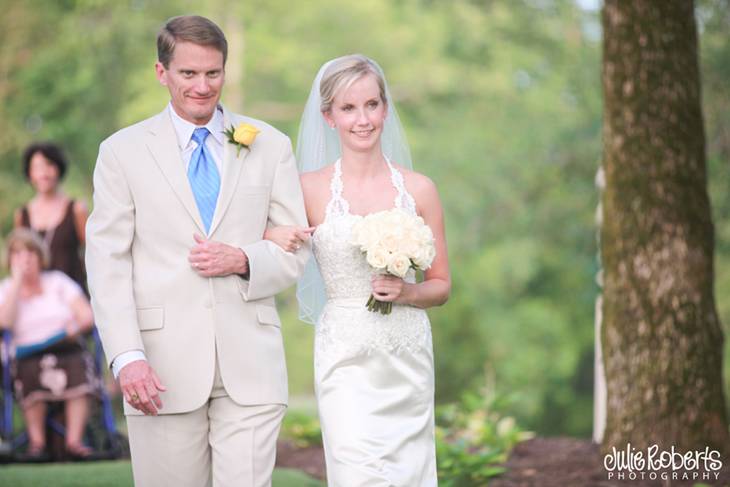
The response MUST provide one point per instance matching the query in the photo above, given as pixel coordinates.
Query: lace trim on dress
(338, 205)
(351, 331)
(403, 199)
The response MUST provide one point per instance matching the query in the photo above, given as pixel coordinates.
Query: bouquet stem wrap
(385, 307)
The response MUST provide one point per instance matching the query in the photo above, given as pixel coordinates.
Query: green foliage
(502, 107)
(472, 438)
(714, 25)
(298, 346)
(111, 474)
(301, 428)
(462, 467)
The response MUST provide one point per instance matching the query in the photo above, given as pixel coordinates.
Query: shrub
(301, 428)
(473, 439)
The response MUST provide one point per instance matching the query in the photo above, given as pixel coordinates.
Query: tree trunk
(662, 341)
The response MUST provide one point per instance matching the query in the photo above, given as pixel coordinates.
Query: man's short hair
(189, 28)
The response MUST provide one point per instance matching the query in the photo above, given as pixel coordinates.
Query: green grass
(109, 474)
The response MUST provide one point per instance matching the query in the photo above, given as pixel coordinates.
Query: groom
(182, 283)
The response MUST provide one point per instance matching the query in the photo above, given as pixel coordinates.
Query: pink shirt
(43, 315)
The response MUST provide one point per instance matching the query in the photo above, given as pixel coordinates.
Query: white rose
(399, 265)
(364, 235)
(378, 257)
(424, 257)
(410, 243)
(425, 234)
(390, 219)
(390, 242)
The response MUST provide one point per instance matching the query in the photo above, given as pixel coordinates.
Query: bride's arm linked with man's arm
(433, 290)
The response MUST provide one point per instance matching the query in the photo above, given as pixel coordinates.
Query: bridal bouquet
(393, 242)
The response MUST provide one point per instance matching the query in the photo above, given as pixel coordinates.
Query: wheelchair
(100, 434)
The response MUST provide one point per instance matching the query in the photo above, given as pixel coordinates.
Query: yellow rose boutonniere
(242, 136)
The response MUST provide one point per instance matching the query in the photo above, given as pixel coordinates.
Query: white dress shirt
(214, 143)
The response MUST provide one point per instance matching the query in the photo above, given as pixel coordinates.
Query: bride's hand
(289, 238)
(389, 288)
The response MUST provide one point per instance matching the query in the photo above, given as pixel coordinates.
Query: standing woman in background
(58, 219)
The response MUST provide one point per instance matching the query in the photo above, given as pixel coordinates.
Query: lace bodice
(347, 278)
(345, 272)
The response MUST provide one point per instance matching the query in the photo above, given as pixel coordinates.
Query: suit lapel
(162, 143)
(232, 164)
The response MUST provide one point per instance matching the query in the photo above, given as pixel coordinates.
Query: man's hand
(214, 259)
(140, 386)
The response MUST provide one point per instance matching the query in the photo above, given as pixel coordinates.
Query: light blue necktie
(204, 178)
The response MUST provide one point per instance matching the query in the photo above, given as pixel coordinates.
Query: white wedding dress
(374, 375)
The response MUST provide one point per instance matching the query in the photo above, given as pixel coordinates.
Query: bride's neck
(363, 164)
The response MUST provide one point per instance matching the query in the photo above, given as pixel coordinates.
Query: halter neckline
(339, 206)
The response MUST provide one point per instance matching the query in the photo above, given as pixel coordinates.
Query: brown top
(64, 245)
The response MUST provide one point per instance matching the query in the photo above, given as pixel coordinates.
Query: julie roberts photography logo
(653, 464)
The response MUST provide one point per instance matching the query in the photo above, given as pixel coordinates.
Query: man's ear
(161, 73)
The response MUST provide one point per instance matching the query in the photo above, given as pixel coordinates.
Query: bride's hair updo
(342, 73)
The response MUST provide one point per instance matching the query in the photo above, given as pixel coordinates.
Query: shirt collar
(184, 129)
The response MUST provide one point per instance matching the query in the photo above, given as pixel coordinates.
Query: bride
(374, 376)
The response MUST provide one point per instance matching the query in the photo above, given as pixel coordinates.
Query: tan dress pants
(221, 444)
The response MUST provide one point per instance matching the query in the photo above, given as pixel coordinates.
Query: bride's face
(358, 114)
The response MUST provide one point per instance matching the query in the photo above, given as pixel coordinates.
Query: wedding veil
(319, 145)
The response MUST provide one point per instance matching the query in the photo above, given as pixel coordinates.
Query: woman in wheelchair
(46, 312)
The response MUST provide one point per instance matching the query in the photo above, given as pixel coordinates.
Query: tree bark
(662, 340)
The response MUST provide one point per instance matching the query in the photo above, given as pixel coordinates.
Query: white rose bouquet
(393, 242)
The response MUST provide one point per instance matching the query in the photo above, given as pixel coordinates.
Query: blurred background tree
(662, 340)
(501, 100)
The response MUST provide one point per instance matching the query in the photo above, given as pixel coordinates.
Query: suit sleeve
(271, 269)
(109, 236)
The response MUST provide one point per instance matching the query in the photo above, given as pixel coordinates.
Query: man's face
(195, 79)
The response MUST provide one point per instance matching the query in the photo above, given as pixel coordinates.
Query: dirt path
(540, 462)
(309, 459)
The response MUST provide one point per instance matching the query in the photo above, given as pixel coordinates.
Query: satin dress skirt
(374, 382)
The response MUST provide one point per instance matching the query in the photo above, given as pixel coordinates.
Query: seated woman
(46, 312)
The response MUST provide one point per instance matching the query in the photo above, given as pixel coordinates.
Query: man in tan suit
(182, 283)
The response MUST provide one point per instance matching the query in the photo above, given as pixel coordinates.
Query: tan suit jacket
(146, 296)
